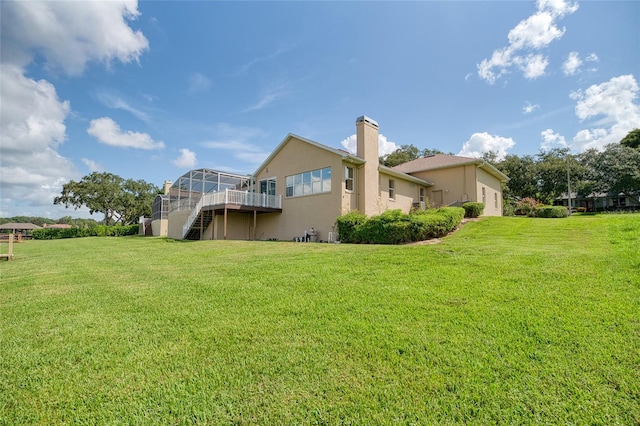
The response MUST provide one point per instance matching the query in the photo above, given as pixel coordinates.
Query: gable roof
(444, 161)
(401, 175)
(345, 155)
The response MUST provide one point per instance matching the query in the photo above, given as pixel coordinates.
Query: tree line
(544, 176)
(548, 174)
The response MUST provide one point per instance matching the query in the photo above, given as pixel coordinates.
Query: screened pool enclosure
(205, 192)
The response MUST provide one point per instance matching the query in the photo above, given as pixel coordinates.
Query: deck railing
(229, 196)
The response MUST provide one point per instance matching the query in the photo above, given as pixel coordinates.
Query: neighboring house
(304, 185)
(598, 202)
(458, 180)
(57, 226)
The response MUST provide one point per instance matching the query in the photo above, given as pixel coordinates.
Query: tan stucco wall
(160, 227)
(303, 212)
(455, 184)
(367, 176)
(465, 183)
(349, 198)
(493, 193)
(407, 193)
(176, 221)
(239, 227)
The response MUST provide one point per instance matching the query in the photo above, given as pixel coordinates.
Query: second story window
(348, 178)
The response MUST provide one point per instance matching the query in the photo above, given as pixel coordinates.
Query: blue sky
(150, 90)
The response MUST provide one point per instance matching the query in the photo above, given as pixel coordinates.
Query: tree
(406, 153)
(121, 201)
(552, 167)
(632, 140)
(401, 155)
(522, 173)
(615, 170)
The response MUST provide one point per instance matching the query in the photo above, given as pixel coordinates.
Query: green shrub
(435, 223)
(97, 231)
(46, 234)
(396, 227)
(473, 209)
(348, 224)
(508, 209)
(552, 211)
(390, 227)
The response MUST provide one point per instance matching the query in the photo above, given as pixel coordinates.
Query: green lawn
(509, 320)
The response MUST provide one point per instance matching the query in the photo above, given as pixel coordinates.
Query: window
(484, 195)
(421, 195)
(307, 183)
(495, 199)
(619, 202)
(348, 178)
(268, 186)
(392, 189)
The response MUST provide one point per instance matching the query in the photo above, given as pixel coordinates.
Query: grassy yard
(509, 320)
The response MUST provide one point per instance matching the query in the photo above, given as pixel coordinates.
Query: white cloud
(65, 36)
(615, 103)
(186, 159)
(239, 141)
(108, 132)
(536, 32)
(244, 69)
(114, 101)
(32, 128)
(70, 34)
(32, 115)
(592, 57)
(528, 108)
(551, 140)
(385, 146)
(572, 64)
(272, 94)
(532, 34)
(92, 165)
(533, 66)
(198, 83)
(480, 143)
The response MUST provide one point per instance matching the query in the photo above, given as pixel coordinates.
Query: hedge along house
(458, 180)
(299, 190)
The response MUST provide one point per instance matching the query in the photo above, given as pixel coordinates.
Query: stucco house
(457, 180)
(303, 186)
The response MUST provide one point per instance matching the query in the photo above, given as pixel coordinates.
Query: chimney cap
(365, 119)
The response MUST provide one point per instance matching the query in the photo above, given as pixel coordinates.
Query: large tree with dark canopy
(632, 140)
(121, 201)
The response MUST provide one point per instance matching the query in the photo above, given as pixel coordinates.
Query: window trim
(392, 189)
(267, 181)
(349, 177)
(302, 184)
